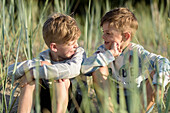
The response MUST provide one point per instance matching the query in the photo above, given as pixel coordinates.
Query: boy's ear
(127, 35)
(53, 47)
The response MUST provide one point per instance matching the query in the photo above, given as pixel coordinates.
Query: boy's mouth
(73, 52)
(105, 42)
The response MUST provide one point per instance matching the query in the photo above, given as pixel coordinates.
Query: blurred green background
(21, 24)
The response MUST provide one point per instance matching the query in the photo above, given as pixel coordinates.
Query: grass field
(21, 39)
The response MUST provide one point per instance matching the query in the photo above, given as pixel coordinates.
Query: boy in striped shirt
(55, 67)
(127, 63)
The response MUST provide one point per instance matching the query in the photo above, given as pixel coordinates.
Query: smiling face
(61, 52)
(110, 35)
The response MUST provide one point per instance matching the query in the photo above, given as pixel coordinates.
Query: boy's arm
(158, 63)
(98, 59)
(22, 68)
(102, 57)
(68, 69)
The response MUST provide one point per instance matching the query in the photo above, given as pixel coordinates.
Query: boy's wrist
(114, 54)
(29, 75)
(27, 78)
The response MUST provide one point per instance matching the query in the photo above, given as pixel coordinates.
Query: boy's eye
(108, 33)
(71, 43)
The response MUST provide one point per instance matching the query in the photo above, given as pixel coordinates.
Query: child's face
(65, 51)
(111, 35)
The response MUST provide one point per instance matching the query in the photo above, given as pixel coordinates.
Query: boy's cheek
(108, 46)
(70, 54)
(111, 40)
(121, 44)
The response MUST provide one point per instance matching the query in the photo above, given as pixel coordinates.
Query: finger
(118, 46)
(45, 63)
(27, 83)
(59, 80)
(41, 63)
(22, 85)
(114, 46)
(29, 76)
(120, 50)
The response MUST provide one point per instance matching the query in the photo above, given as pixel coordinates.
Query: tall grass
(21, 39)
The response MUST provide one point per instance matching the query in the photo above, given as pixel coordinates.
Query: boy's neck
(125, 45)
(55, 57)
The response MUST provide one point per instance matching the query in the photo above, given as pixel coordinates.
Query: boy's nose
(104, 37)
(76, 45)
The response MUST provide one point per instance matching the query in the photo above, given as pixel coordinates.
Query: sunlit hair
(121, 18)
(60, 29)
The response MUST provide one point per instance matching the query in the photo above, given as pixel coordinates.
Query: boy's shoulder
(101, 47)
(134, 45)
(80, 49)
(45, 55)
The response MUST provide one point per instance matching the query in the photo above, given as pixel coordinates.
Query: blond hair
(60, 29)
(121, 18)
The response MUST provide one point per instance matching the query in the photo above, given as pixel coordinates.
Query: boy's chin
(107, 47)
(69, 56)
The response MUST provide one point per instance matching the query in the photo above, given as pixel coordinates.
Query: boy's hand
(27, 78)
(61, 80)
(115, 49)
(45, 62)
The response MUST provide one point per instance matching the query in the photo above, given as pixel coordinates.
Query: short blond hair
(60, 29)
(121, 18)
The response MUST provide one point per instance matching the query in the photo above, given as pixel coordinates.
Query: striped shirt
(132, 66)
(58, 70)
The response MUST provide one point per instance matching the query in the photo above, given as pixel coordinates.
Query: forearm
(152, 96)
(21, 68)
(62, 70)
(97, 60)
(153, 93)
